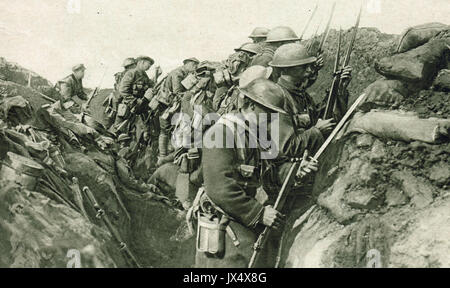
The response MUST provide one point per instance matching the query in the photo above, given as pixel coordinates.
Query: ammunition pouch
(249, 176)
(189, 82)
(154, 104)
(164, 97)
(171, 110)
(122, 110)
(223, 77)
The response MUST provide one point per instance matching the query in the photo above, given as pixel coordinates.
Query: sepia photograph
(225, 134)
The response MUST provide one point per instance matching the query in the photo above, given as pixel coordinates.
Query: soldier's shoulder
(217, 135)
(68, 80)
(177, 72)
(130, 72)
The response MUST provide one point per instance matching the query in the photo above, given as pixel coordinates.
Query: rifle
(332, 95)
(102, 215)
(95, 92)
(290, 179)
(309, 21)
(327, 30)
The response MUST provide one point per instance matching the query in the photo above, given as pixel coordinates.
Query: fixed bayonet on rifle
(291, 177)
(327, 30)
(102, 216)
(336, 80)
(309, 21)
(317, 29)
(332, 95)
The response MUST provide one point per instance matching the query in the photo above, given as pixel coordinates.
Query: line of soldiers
(221, 187)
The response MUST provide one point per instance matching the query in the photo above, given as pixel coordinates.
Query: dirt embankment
(382, 199)
(41, 227)
(377, 201)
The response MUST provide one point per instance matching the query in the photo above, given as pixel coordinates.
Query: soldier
(229, 217)
(302, 129)
(111, 102)
(71, 88)
(128, 64)
(251, 49)
(298, 72)
(169, 97)
(277, 37)
(231, 100)
(132, 88)
(226, 79)
(259, 34)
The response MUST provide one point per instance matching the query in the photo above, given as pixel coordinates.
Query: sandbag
(418, 66)
(442, 81)
(418, 35)
(400, 126)
(384, 93)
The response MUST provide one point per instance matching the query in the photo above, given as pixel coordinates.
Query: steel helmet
(128, 62)
(254, 72)
(290, 55)
(193, 59)
(259, 32)
(253, 48)
(265, 93)
(78, 67)
(281, 34)
(146, 58)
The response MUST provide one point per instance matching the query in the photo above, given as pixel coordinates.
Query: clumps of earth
(381, 197)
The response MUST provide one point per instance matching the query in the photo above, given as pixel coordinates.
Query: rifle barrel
(352, 41)
(327, 29)
(336, 80)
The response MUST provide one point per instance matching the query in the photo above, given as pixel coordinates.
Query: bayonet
(290, 180)
(309, 21)
(327, 29)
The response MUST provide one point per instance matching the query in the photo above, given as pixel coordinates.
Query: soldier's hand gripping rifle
(102, 215)
(337, 80)
(294, 172)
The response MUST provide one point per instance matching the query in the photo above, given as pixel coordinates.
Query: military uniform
(225, 98)
(70, 87)
(264, 58)
(231, 177)
(132, 89)
(169, 96)
(112, 101)
(232, 174)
